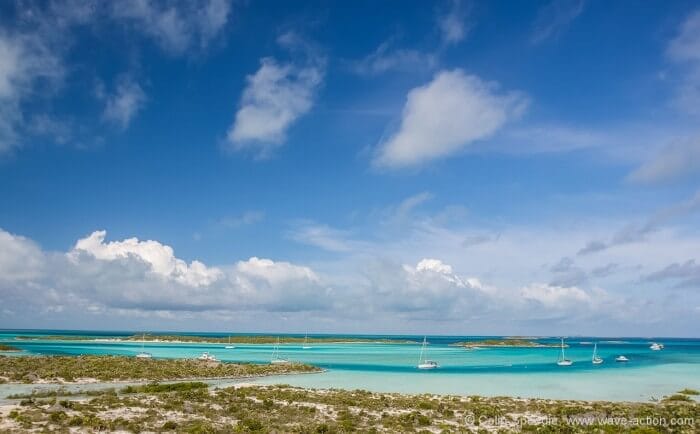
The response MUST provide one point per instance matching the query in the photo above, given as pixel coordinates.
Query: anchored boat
(424, 363)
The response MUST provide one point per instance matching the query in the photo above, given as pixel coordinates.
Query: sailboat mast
(562, 349)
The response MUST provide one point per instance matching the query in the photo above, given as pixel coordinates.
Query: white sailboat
(229, 346)
(276, 358)
(563, 361)
(143, 354)
(422, 362)
(597, 360)
(305, 345)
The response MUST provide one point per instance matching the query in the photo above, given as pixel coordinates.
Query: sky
(446, 167)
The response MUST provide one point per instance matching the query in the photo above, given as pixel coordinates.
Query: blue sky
(441, 167)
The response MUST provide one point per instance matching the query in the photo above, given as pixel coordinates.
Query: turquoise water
(527, 372)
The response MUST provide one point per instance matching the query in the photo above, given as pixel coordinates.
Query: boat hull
(427, 366)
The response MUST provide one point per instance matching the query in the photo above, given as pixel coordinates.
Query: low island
(506, 343)
(8, 348)
(233, 339)
(172, 399)
(84, 369)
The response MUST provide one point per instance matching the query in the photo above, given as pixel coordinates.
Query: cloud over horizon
(119, 279)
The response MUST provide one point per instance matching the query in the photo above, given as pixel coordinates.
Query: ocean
(524, 372)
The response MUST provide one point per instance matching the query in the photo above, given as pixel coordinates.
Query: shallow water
(527, 372)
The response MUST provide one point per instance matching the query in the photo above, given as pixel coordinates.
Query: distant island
(234, 339)
(508, 343)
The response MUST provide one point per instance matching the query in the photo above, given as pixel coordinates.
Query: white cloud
(684, 51)
(554, 18)
(453, 22)
(276, 96)
(429, 290)
(435, 265)
(127, 276)
(685, 47)
(385, 58)
(132, 278)
(25, 60)
(176, 26)
(32, 53)
(160, 258)
(122, 105)
(20, 258)
(678, 159)
(321, 236)
(411, 203)
(275, 272)
(445, 116)
(555, 296)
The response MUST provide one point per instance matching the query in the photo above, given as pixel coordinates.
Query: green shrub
(169, 425)
(678, 397)
(687, 391)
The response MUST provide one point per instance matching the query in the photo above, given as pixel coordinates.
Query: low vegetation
(191, 407)
(119, 368)
(510, 342)
(4, 347)
(234, 339)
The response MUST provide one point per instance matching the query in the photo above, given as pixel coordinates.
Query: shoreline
(297, 341)
(92, 380)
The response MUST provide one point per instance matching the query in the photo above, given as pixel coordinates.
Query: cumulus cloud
(134, 275)
(134, 278)
(433, 290)
(445, 116)
(429, 289)
(122, 105)
(275, 97)
(160, 258)
(677, 160)
(554, 18)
